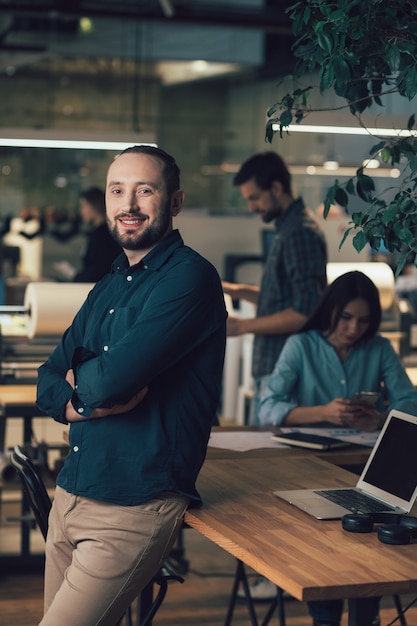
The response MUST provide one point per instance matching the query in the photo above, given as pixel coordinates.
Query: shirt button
(111, 311)
(145, 267)
(342, 382)
(129, 278)
(106, 348)
(80, 410)
(75, 448)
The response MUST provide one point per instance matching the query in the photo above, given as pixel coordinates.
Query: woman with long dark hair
(336, 354)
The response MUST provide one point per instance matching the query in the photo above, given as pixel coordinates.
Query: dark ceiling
(268, 16)
(37, 26)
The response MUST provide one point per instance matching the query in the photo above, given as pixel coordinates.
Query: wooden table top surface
(310, 559)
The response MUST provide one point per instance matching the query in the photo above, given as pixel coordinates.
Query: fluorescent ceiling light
(371, 164)
(331, 165)
(59, 143)
(75, 140)
(317, 170)
(347, 130)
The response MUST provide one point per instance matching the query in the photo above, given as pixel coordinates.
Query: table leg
(240, 577)
(27, 430)
(2, 433)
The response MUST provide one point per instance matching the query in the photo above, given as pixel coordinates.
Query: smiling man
(137, 376)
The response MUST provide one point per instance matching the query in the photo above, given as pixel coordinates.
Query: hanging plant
(364, 51)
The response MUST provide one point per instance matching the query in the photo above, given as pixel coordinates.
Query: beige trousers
(99, 556)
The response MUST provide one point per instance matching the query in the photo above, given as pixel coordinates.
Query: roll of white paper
(51, 307)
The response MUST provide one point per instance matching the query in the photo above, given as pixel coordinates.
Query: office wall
(216, 236)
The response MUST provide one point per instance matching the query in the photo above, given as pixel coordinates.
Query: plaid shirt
(294, 277)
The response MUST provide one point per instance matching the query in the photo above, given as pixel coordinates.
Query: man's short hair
(264, 169)
(171, 171)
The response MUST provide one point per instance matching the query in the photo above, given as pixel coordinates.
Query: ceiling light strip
(11, 142)
(347, 130)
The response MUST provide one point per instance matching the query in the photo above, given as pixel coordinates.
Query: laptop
(388, 482)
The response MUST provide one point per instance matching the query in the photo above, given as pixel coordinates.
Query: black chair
(40, 503)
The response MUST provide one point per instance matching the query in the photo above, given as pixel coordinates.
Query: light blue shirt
(310, 373)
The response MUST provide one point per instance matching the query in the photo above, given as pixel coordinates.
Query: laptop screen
(393, 466)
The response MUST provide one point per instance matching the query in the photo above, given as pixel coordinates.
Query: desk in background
(18, 401)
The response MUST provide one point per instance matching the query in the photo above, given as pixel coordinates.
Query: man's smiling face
(139, 212)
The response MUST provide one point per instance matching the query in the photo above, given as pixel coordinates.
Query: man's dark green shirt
(160, 323)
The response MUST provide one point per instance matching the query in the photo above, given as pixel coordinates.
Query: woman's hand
(345, 412)
(338, 411)
(367, 418)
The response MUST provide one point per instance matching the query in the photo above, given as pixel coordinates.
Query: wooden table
(311, 559)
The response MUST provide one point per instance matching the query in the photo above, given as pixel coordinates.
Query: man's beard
(272, 214)
(147, 238)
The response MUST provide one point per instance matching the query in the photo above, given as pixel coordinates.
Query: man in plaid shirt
(294, 274)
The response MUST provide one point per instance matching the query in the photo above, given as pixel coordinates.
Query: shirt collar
(291, 213)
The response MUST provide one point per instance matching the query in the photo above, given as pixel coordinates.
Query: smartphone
(366, 397)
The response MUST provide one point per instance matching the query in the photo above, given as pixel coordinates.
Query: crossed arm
(72, 415)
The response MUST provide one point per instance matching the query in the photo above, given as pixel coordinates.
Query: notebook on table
(388, 481)
(308, 440)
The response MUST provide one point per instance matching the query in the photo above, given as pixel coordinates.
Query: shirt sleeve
(306, 257)
(279, 396)
(178, 315)
(53, 392)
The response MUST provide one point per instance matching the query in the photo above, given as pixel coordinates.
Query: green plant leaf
(342, 70)
(341, 197)
(359, 241)
(269, 132)
(393, 57)
(377, 148)
(400, 264)
(350, 187)
(325, 41)
(345, 236)
(389, 214)
(326, 77)
(285, 118)
(386, 155)
(329, 199)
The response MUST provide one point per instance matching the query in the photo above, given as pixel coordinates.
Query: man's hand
(233, 326)
(230, 288)
(72, 415)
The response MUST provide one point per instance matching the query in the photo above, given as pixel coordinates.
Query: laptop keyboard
(354, 501)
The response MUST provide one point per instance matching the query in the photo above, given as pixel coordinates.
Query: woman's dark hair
(338, 294)
(264, 168)
(171, 170)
